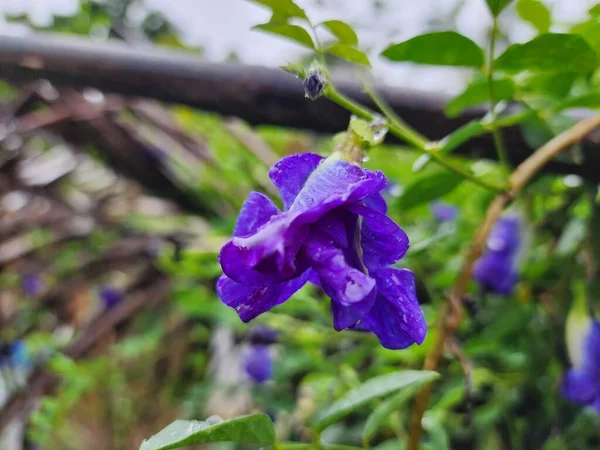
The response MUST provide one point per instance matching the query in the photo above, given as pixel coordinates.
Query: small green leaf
(536, 13)
(428, 188)
(363, 130)
(370, 390)
(594, 11)
(591, 34)
(591, 100)
(283, 9)
(497, 6)
(342, 31)
(293, 32)
(349, 53)
(295, 69)
(479, 92)
(383, 411)
(445, 48)
(556, 85)
(255, 429)
(551, 52)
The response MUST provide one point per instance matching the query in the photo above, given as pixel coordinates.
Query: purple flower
(258, 363)
(581, 384)
(314, 84)
(31, 285)
(15, 355)
(496, 270)
(110, 296)
(444, 212)
(263, 335)
(333, 230)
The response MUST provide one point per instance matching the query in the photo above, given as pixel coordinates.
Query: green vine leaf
(551, 52)
(292, 32)
(349, 53)
(444, 48)
(255, 429)
(342, 31)
(536, 13)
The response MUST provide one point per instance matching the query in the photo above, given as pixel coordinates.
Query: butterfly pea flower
(110, 296)
(444, 212)
(496, 270)
(31, 285)
(333, 229)
(258, 363)
(581, 383)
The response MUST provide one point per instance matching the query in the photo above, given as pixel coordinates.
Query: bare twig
(451, 313)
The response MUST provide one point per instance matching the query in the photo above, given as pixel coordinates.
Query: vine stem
(401, 130)
(451, 315)
(496, 135)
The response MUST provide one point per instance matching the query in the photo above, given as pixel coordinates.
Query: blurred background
(131, 131)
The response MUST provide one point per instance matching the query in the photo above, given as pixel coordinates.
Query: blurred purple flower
(496, 269)
(334, 229)
(15, 355)
(262, 335)
(258, 363)
(31, 285)
(110, 296)
(581, 384)
(444, 212)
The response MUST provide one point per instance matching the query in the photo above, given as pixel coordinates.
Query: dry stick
(451, 313)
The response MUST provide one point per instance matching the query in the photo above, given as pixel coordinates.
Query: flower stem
(497, 136)
(401, 130)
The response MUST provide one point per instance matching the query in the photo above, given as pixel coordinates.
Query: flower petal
(376, 202)
(251, 302)
(383, 242)
(334, 183)
(346, 285)
(580, 388)
(396, 317)
(494, 271)
(290, 174)
(347, 316)
(255, 212)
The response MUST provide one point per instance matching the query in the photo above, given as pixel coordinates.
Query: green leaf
(383, 411)
(479, 92)
(295, 69)
(254, 429)
(293, 32)
(591, 34)
(283, 9)
(349, 53)
(497, 6)
(370, 390)
(591, 100)
(551, 52)
(445, 48)
(342, 31)
(428, 188)
(364, 131)
(536, 13)
(594, 11)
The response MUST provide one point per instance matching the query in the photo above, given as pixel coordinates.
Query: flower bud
(314, 83)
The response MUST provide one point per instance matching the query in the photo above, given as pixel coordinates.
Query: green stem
(404, 132)
(497, 136)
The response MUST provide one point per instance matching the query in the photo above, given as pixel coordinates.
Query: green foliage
(342, 31)
(255, 429)
(497, 6)
(283, 9)
(292, 32)
(427, 188)
(445, 48)
(551, 52)
(370, 390)
(536, 13)
(477, 93)
(348, 53)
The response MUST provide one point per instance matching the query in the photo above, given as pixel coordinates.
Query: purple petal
(347, 316)
(396, 317)
(383, 242)
(591, 358)
(332, 184)
(443, 211)
(505, 236)
(252, 302)
(376, 202)
(258, 363)
(495, 271)
(580, 388)
(346, 285)
(290, 174)
(255, 212)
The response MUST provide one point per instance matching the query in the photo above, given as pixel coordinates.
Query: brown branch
(451, 313)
